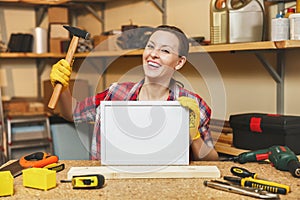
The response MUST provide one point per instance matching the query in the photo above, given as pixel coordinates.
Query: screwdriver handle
(272, 187)
(241, 172)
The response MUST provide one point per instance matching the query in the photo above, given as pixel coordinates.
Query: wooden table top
(154, 188)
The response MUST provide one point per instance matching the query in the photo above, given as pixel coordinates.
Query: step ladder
(28, 139)
(3, 156)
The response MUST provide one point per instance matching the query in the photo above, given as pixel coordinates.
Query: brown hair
(183, 40)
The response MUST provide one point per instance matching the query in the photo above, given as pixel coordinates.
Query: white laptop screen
(144, 133)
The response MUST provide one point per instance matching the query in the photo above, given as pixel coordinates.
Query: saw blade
(15, 168)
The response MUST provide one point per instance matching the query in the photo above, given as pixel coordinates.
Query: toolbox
(255, 131)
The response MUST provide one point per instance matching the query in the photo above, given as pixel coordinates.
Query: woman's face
(160, 57)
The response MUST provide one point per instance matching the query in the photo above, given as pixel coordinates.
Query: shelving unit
(41, 6)
(256, 48)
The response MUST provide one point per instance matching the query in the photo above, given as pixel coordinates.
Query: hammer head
(78, 32)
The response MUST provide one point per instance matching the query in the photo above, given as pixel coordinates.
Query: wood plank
(228, 149)
(288, 44)
(141, 172)
(265, 45)
(30, 55)
(222, 138)
(52, 2)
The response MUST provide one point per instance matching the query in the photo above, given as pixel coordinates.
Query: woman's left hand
(194, 113)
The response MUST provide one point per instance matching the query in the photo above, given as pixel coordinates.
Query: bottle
(298, 6)
(218, 22)
(294, 26)
(280, 28)
(289, 12)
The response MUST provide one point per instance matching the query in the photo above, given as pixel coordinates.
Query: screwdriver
(242, 172)
(269, 186)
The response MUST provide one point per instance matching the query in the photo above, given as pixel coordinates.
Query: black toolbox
(255, 131)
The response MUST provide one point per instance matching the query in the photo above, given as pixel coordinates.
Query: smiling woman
(165, 52)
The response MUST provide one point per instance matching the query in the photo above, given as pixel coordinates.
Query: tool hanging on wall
(77, 33)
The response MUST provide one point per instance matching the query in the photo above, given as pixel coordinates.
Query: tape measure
(94, 181)
(37, 159)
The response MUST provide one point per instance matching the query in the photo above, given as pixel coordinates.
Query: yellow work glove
(61, 72)
(193, 107)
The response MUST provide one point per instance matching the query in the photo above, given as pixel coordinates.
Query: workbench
(154, 188)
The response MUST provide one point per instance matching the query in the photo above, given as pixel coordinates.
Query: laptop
(144, 133)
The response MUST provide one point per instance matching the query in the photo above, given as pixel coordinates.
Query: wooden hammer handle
(58, 87)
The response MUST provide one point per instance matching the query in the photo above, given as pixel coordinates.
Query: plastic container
(294, 26)
(39, 178)
(289, 12)
(218, 22)
(6, 183)
(280, 28)
(246, 20)
(256, 131)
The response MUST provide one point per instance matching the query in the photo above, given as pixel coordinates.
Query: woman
(165, 52)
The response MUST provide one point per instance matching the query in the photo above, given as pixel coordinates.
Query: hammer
(77, 33)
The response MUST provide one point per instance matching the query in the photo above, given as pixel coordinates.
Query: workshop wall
(248, 86)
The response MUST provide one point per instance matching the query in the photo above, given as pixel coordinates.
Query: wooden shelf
(234, 47)
(288, 44)
(15, 55)
(129, 52)
(48, 2)
(251, 46)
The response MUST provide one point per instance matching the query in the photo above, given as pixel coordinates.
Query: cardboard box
(256, 131)
(106, 43)
(58, 31)
(23, 106)
(58, 15)
(80, 93)
(56, 45)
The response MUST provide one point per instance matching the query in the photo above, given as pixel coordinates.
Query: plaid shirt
(86, 111)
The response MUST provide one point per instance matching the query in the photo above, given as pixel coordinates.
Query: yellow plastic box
(6, 183)
(39, 178)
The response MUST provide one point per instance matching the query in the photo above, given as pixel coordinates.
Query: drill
(281, 157)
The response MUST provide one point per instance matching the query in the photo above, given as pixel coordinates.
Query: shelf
(258, 48)
(288, 44)
(48, 2)
(251, 46)
(15, 55)
(266, 45)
